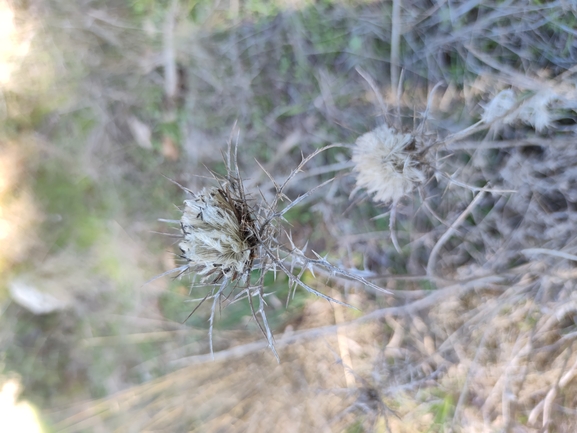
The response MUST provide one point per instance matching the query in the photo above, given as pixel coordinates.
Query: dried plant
(536, 111)
(499, 106)
(231, 240)
(385, 166)
(476, 325)
(218, 235)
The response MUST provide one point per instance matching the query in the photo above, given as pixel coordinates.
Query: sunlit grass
(16, 416)
(14, 43)
(18, 211)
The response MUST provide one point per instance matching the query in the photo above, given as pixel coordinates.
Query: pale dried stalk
(395, 43)
(169, 58)
(376, 91)
(437, 248)
(545, 405)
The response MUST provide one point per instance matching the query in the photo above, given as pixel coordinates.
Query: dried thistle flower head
(384, 165)
(217, 235)
(499, 106)
(536, 111)
(224, 239)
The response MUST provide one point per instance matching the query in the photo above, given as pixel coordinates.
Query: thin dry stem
(451, 230)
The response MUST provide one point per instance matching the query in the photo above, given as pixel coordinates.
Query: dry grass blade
(376, 91)
(561, 254)
(396, 32)
(431, 264)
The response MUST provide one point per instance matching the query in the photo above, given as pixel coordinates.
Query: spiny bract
(215, 237)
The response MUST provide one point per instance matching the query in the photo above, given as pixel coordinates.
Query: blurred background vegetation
(102, 101)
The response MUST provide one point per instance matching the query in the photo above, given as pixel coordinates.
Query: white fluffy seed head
(384, 167)
(214, 242)
(499, 106)
(536, 111)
